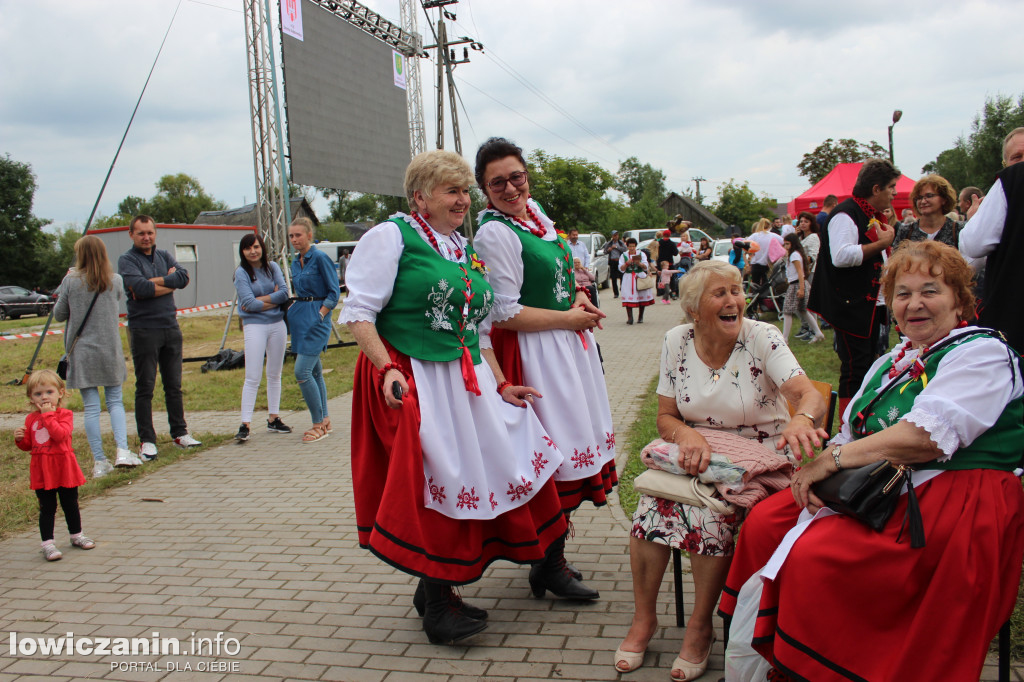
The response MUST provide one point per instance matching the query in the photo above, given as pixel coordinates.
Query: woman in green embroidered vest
(847, 602)
(451, 468)
(543, 338)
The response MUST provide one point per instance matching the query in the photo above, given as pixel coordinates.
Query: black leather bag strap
(85, 319)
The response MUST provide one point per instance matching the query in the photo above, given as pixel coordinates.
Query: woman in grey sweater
(97, 357)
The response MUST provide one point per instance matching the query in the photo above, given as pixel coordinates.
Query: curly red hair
(939, 260)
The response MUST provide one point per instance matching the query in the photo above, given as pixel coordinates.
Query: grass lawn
(211, 391)
(19, 509)
(821, 363)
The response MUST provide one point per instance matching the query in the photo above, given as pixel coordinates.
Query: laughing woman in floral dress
(724, 372)
(451, 468)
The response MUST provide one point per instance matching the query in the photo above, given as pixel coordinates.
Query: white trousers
(263, 340)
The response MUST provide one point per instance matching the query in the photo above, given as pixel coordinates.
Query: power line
(527, 118)
(525, 82)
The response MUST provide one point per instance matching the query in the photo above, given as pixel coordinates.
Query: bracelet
(835, 457)
(503, 385)
(808, 415)
(387, 368)
(585, 291)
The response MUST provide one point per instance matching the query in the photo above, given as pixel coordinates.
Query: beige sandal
(315, 433)
(628, 661)
(689, 669)
(327, 425)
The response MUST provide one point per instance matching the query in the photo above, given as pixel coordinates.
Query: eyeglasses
(929, 196)
(518, 179)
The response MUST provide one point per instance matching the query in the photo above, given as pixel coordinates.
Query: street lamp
(896, 116)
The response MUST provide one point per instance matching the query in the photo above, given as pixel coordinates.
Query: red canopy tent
(840, 181)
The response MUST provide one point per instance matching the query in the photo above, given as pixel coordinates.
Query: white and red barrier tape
(52, 332)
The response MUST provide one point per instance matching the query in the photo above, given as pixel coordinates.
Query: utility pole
(700, 199)
(446, 62)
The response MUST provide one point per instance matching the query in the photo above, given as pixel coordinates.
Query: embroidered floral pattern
(609, 439)
(550, 442)
(440, 307)
(561, 286)
(538, 463)
(582, 459)
(517, 491)
(436, 491)
(494, 502)
(475, 317)
(893, 415)
(467, 500)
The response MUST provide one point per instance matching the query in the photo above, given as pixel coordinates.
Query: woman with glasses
(543, 338)
(932, 197)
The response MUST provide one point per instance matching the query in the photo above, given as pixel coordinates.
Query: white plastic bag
(742, 663)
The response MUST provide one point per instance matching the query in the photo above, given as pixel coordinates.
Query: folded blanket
(766, 470)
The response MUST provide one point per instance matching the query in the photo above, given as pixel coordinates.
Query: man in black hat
(614, 247)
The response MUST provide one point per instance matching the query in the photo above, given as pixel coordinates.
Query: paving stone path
(258, 542)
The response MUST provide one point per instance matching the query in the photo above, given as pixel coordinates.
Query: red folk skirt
(391, 519)
(572, 493)
(853, 604)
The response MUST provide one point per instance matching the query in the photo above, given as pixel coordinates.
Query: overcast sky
(719, 90)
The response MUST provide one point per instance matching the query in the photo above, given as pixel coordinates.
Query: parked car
(18, 301)
(598, 260)
(720, 249)
(695, 235)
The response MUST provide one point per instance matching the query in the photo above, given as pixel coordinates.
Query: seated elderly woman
(730, 373)
(848, 602)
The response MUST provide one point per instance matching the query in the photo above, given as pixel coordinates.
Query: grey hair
(1006, 142)
(691, 287)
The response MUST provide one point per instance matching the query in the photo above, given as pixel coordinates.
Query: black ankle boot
(553, 574)
(441, 621)
(419, 599)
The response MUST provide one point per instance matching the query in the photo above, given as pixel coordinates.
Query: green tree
(817, 164)
(61, 255)
(637, 180)
(333, 232)
(23, 244)
(738, 205)
(572, 191)
(975, 159)
(354, 207)
(179, 199)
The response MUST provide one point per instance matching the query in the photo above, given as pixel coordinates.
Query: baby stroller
(768, 297)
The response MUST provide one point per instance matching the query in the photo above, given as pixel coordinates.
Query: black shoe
(629, 321)
(640, 321)
(243, 434)
(553, 574)
(278, 426)
(419, 599)
(441, 621)
(560, 582)
(573, 571)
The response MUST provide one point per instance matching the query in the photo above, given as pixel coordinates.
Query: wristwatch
(835, 457)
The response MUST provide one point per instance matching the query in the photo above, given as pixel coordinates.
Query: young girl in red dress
(53, 471)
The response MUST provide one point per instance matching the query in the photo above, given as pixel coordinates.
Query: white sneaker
(101, 468)
(126, 459)
(147, 453)
(186, 441)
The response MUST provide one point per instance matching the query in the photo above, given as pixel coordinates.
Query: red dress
(391, 518)
(853, 604)
(48, 438)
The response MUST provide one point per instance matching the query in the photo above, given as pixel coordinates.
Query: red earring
(426, 215)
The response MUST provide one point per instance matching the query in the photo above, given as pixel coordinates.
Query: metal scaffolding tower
(268, 164)
(414, 94)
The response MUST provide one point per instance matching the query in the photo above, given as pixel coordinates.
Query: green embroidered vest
(548, 279)
(997, 448)
(425, 313)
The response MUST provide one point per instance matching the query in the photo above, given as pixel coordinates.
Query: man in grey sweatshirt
(150, 278)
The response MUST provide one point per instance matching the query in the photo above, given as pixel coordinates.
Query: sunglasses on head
(518, 179)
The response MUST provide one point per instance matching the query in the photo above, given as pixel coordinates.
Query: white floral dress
(741, 397)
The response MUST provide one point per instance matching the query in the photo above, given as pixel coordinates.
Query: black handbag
(62, 364)
(870, 494)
